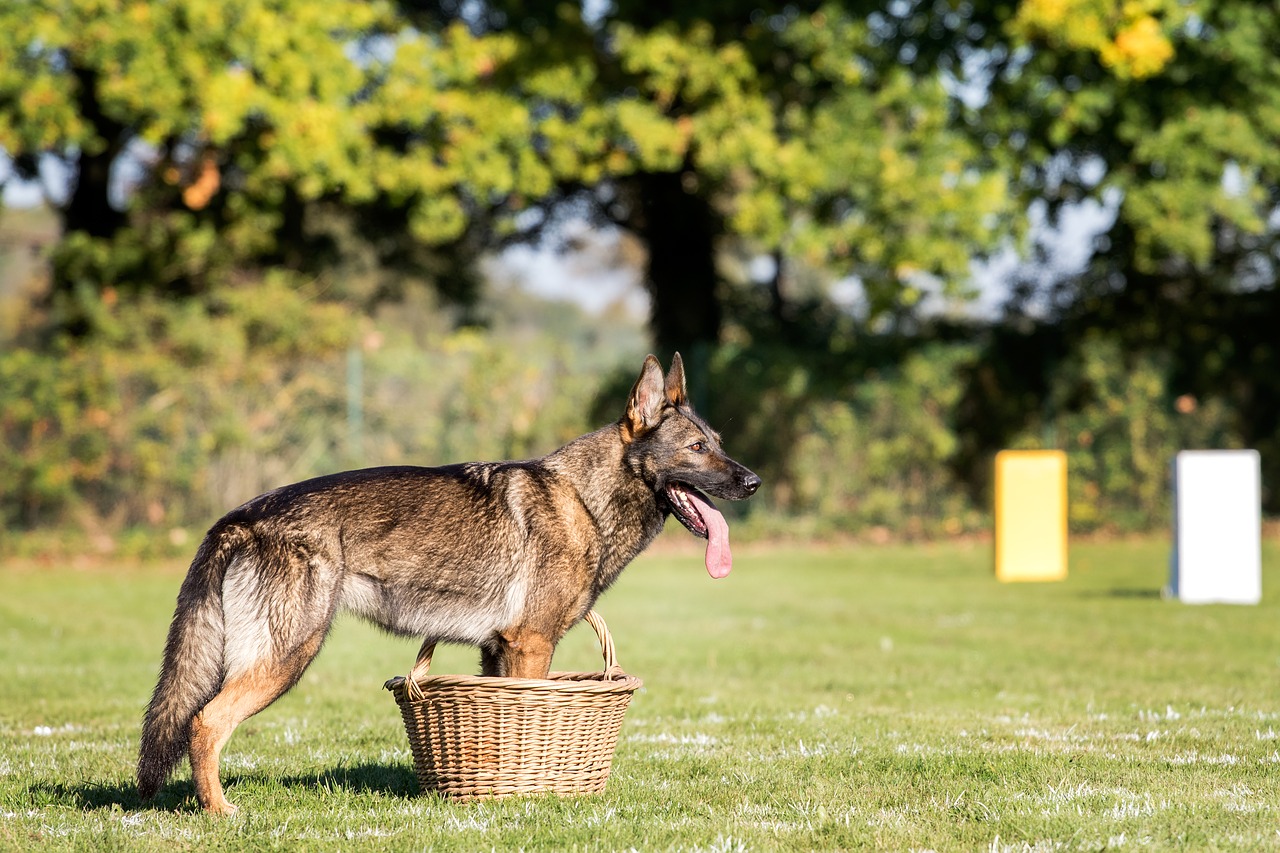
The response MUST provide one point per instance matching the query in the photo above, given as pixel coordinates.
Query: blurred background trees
(275, 227)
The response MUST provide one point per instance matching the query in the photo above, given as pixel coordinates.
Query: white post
(1217, 528)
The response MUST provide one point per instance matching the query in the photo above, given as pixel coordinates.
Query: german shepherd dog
(505, 556)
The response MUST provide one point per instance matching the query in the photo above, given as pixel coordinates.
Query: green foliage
(868, 455)
(879, 459)
(1175, 101)
(243, 117)
(169, 414)
(242, 114)
(1120, 426)
(872, 441)
(276, 142)
(148, 417)
(812, 143)
(469, 395)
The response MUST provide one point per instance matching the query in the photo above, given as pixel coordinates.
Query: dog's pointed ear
(677, 395)
(644, 406)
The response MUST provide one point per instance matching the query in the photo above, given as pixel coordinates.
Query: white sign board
(1217, 528)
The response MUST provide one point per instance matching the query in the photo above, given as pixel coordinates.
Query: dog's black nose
(751, 482)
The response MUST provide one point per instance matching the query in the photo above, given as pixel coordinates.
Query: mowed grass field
(892, 698)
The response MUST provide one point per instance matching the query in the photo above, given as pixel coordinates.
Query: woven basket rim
(555, 682)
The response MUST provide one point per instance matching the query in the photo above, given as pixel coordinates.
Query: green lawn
(893, 698)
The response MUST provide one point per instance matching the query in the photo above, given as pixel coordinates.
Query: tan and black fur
(505, 556)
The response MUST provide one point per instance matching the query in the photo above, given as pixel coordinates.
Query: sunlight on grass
(893, 698)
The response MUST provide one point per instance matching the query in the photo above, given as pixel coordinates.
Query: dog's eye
(697, 447)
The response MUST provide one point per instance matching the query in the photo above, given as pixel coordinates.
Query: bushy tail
(192, 671)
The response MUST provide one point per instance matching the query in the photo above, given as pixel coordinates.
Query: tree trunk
(88, 209)
(679, 228)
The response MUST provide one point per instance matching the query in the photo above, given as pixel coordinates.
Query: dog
(505, 556)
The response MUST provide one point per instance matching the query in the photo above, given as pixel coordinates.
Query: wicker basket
(478, 738)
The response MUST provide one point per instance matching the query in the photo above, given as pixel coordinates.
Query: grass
(891, 698)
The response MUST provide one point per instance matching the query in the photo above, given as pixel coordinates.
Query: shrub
(172, 412)
(872, 452)
(1116, 417)
(168, 413)
(135, 421)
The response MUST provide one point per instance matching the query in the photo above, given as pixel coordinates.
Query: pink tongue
(719, 559)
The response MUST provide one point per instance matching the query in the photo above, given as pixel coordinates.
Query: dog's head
(679, 455)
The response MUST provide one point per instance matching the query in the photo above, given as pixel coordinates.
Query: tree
(790, 132)
(1165, 111)
(446, 128)
(237, 124)
(223, 118)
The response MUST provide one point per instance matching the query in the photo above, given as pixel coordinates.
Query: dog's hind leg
(240, 698)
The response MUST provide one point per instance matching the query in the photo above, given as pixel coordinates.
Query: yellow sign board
(1031, 515)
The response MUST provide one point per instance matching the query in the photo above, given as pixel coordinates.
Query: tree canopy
(1167, 112)
(887, 143)
(442, 131)
(364, 149)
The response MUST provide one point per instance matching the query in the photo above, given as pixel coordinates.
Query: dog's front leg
(526, 653)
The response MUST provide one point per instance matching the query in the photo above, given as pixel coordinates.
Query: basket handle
(420, 668)
(611, 669)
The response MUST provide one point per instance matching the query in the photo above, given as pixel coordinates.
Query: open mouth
(686, 503)
(697, 513)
